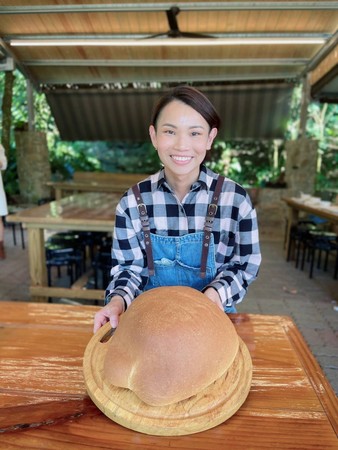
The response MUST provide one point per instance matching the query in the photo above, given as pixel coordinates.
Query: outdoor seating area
(86, 256)
(310, 243)
(281, 289)
(312, 240)
(185, 155)
(282, 294)
(95, 182)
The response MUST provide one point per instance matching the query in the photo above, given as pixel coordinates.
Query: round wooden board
(212, 406)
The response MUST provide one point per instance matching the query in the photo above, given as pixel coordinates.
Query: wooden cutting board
(205, 410)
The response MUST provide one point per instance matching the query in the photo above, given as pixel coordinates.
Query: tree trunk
(7, 111)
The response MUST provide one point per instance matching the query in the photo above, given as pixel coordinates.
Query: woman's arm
(236, 273)
(129, 273)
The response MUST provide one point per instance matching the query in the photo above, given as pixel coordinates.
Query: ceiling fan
(174, 31)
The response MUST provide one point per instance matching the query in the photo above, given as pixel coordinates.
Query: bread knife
(107, 335)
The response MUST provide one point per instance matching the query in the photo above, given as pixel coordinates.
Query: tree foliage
(254, 163)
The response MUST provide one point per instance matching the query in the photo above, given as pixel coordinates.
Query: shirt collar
(159, 180)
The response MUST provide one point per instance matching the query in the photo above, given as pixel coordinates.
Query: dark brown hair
(191, 97)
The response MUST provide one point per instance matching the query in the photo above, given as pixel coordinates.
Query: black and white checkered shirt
(235, 234)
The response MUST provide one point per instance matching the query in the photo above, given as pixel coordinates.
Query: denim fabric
(177, 262)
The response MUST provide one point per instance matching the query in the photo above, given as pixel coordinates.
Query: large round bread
(170, 344)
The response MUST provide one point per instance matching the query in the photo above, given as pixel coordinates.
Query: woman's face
(182, 138)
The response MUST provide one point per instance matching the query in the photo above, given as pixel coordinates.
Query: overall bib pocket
(177, 261)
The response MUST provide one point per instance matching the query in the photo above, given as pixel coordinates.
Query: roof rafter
(185, 6)
(167, 62)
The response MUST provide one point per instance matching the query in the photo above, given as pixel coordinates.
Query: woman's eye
(168, 131)
(195, 133)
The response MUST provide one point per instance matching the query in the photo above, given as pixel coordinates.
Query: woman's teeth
(181, 158)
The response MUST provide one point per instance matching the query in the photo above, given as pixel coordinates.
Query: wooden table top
(92, 210)
(44, 403)
(93, 186)
(98, 182)
(326, 212)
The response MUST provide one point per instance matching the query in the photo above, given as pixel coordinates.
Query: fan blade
(174, 31)
(173, 25)
(195, 35)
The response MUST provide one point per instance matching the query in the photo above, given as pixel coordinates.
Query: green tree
(250, 163)
(321, 125)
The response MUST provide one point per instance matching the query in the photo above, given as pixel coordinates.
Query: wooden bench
(120, 179)
(96, 182)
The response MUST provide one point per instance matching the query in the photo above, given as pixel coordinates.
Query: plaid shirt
(235, 234)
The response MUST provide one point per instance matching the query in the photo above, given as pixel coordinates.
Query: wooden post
(37, 261)
(304, 106)
(6, 111)
(34, 169)
(30, 103)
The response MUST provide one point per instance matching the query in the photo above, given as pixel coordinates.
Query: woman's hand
(212, 295)
(109, 313)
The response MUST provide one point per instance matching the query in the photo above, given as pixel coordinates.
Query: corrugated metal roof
(84, 25)
(247, 111)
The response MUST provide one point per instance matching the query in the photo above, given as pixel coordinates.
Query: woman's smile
(181, 159)
(182, 137)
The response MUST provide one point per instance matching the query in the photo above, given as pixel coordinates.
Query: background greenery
(251, 163)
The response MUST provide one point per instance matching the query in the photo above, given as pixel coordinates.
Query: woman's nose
(182, 142)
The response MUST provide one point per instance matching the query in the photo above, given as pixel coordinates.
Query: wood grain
(298, 205)
(91, 211)
(96, 182)
(205, 410)
(44, 404)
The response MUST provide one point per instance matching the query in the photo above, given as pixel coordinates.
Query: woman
(3, 202)
(178, 210)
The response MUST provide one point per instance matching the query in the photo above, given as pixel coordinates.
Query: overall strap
(209, 220)
(142, 209)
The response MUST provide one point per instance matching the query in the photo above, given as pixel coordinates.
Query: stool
(319, 242)
(13, 226)
(21, 233)
(102, 263)
(93, 240)
(59, 257)
(68, 239)
(298, 237)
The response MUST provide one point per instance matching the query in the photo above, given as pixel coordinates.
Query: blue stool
(58, 256)
(319, 242)
(102, 265)
(298, 238)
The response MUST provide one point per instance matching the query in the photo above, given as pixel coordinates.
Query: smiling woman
(185, 225)
(182, 136)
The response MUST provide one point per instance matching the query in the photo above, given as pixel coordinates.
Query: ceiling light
(151, 42)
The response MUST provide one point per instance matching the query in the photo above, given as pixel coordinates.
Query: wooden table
(96, 182)
(63, 188)
(87, 211)
(295, 206)
(44, 404)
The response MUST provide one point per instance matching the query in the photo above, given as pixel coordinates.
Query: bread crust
(170, 344)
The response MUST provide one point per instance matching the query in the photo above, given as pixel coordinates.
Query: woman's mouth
(181, 159)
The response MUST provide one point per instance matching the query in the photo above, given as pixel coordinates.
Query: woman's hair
(191, 97)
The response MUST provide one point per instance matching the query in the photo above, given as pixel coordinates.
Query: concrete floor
(281, 289)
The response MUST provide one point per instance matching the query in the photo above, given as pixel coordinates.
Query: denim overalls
(178, 261)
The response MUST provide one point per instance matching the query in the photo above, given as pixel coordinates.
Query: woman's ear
(152, 134)
(211, 137)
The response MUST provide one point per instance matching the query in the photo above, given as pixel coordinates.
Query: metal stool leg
(14, 233)
(22, 236)
(312, 260)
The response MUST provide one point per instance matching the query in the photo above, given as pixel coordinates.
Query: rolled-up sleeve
(129, 274)
(235, 273)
